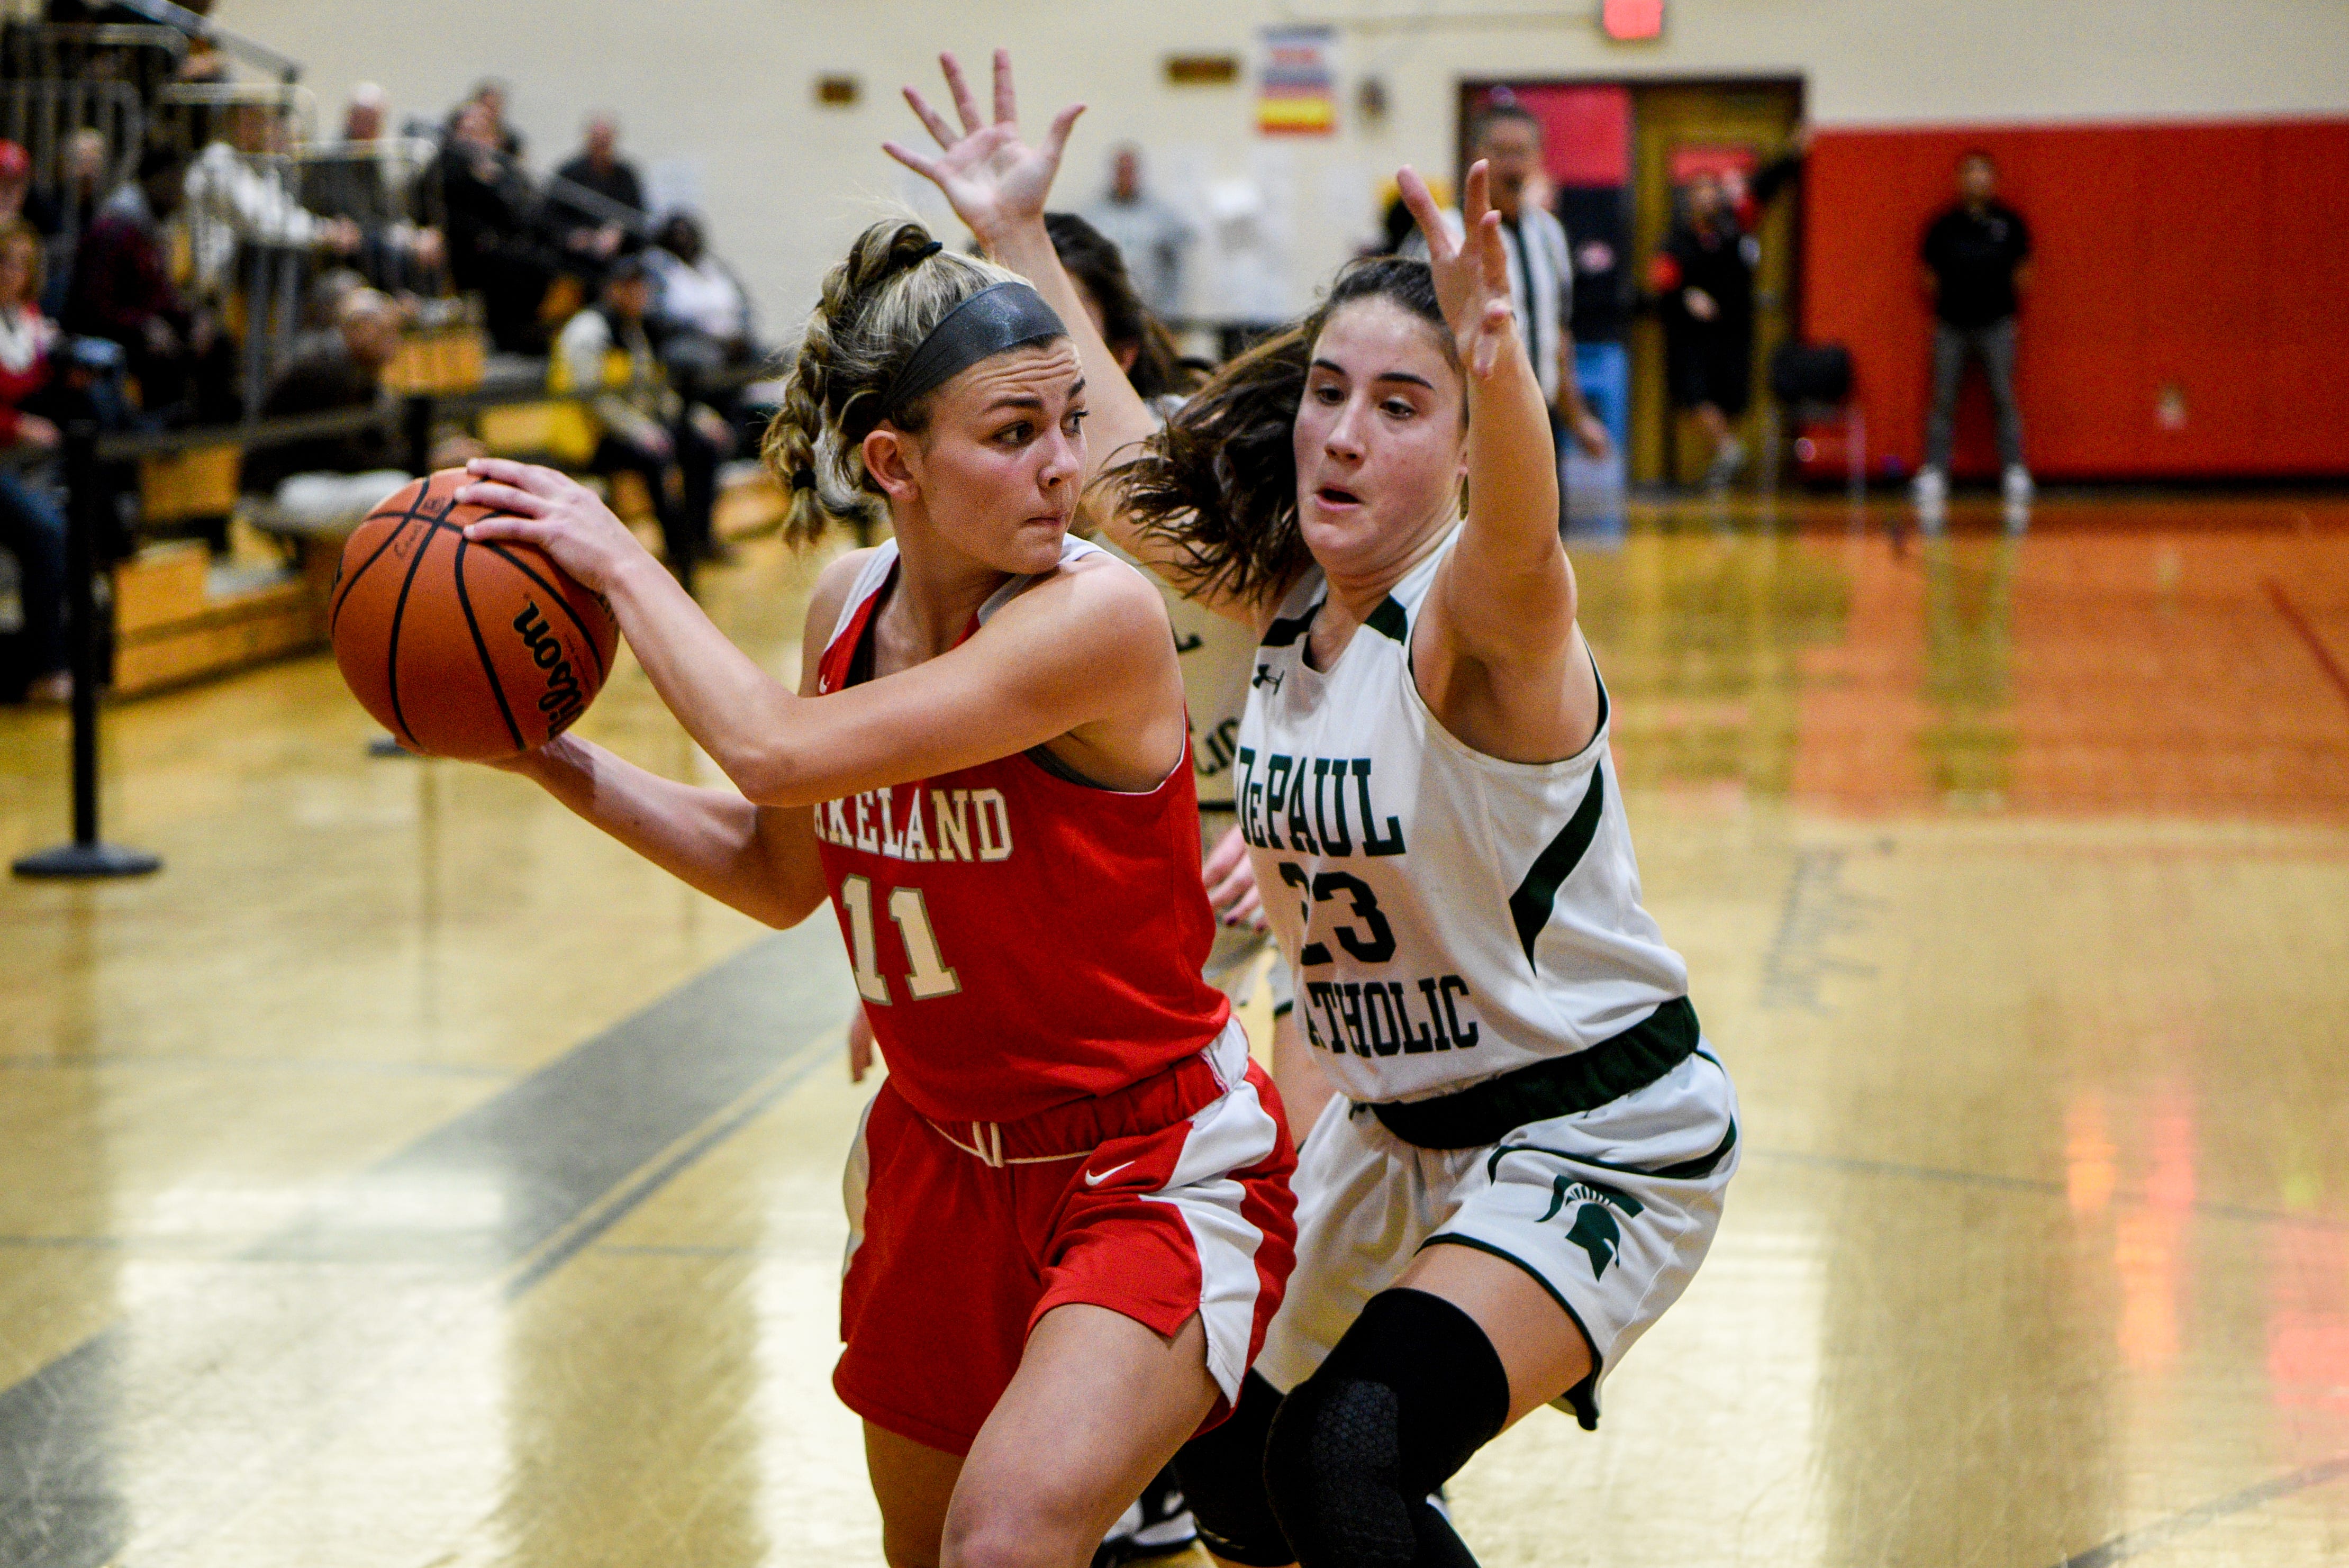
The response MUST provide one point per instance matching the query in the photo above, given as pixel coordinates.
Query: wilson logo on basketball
(562, 701)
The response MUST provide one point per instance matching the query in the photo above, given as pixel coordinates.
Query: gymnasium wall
(718, 100)
(2188, 310)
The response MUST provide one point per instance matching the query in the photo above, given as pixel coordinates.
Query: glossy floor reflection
(405, 1177)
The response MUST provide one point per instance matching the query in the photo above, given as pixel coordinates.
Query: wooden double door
(1644, 141)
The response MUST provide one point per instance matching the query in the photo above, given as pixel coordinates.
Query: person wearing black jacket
(493, 245)
(598, 168)
(1704, 281)
(1977, 262)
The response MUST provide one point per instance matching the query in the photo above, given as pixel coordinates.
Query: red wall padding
(2210, 257)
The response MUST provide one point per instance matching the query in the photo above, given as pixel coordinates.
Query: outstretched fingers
(928, 167)
(1492, 255)
(1477, 195)
(932, 120)
(1007, 101)
(964, 105)
(1055, 140)
(1425, 213)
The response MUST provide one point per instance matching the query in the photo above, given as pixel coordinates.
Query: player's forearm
(1512, 464)
(758, 860)
(747, 721)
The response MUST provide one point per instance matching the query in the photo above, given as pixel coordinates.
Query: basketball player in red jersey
(1070, 1220)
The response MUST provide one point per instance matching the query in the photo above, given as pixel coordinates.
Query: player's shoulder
(1095, 597)
(1102, 580)
(832, 587)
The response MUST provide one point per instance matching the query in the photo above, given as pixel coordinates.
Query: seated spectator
(702, 313)
(18, 200)
(357, 181)
(122, 290)
(233, 200)
(598, 168)
(32, 528)
(329, 476)
(492, 244)
(490, 94)
(643, 427)
(698, 296)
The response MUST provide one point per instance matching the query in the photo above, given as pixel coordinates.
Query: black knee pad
(1413, 1389)
(1222, 1472)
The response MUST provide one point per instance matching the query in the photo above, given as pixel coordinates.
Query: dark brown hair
(1097, 267)
(1220, 480)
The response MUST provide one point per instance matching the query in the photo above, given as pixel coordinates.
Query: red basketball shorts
(1165, 1200)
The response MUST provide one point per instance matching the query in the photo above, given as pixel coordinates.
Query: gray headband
(998, 318)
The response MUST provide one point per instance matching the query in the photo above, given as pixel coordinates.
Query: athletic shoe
(1930, 488)
(2018, 486)
(1157, 1524)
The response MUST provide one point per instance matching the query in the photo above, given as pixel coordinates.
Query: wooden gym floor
(408, 1177)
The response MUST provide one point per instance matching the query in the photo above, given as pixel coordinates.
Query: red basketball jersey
(1021, 940)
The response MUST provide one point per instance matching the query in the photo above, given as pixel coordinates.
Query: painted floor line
(2298, 623)
(2035, 1185)
(258, 1064)
(563, 1248)
(2121, 1548)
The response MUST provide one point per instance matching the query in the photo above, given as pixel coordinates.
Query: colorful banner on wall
(1298, 93)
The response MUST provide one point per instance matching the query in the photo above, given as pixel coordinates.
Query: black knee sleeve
(1222, 1472)
(1413, 1389)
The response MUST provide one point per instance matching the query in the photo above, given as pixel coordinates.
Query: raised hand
(1471, 273)
(993, 179)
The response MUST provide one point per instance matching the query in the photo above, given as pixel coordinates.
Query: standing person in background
(1596, 221)
(1508, 140)
(1704, 278)
(1977, 257)
(1154, 238)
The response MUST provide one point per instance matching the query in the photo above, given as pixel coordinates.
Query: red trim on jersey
(1038, 941)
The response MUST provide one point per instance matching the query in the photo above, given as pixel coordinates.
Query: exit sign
(1632, 20)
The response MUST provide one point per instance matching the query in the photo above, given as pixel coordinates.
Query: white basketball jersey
(1450, 916)
(1217, 655)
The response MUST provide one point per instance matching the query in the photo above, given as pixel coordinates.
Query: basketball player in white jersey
(1529, 1154)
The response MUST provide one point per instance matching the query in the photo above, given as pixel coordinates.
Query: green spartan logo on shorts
(1594, 1228)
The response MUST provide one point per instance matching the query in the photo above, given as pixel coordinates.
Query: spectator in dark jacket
(349, 375)
(122, 290)
(1703, 278)
(1977, 257)
(599, 168)
(493, 242)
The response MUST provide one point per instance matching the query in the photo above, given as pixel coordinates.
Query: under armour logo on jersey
(1267, 676)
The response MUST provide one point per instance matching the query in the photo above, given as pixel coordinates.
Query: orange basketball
(474, 650)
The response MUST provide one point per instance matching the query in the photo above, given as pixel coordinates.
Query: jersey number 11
(929, 975)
